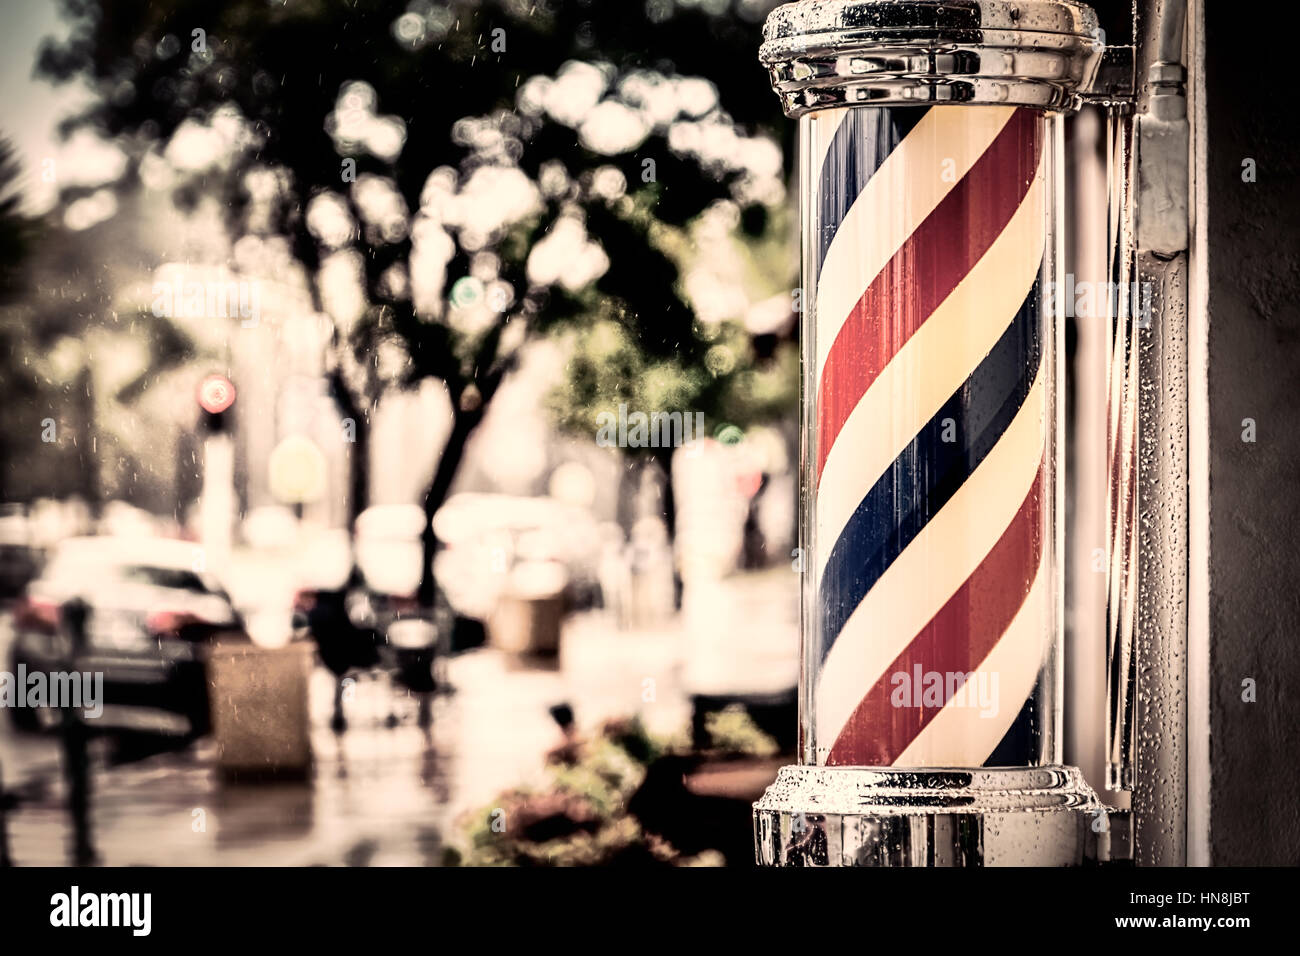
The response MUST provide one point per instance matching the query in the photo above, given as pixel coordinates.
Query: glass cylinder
(931, 476)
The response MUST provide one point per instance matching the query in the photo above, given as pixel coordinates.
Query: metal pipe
(1162, 230)
(1172, 22)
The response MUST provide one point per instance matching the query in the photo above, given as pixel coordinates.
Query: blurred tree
(484, 170)
(15, 228)
(67, 431)
(15, 240)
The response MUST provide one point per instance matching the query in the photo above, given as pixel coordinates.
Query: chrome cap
(830, 53)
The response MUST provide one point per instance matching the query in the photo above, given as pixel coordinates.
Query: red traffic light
(216, 394)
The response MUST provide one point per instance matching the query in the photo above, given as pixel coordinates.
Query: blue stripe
(1017, 747)
(930, 470)
(860, 145)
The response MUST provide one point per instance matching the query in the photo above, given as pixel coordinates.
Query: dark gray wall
(1254, 372)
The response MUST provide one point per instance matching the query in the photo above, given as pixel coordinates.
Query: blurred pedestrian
(75, 617)
(343, 645)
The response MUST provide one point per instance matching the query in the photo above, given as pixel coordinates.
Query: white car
(151, 609)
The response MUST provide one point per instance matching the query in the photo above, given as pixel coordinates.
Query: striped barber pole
(931, 417)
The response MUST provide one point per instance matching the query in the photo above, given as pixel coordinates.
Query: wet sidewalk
(385, 791)
(377, 796)
(382, 793)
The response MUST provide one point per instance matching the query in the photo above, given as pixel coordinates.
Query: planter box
(260, 719)
(526, 620)
(527, 626)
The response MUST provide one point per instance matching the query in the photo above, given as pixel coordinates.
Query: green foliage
(728, 384)
(732, 730)
(282, 67)
(580, 818)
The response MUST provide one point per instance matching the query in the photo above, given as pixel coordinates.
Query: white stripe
(930, 570)
(929, 368)
(906, 188)
(961, 735)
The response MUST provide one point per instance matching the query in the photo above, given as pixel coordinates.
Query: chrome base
(875, 816)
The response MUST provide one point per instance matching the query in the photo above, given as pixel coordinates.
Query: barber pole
(930, 153)
(932, 496)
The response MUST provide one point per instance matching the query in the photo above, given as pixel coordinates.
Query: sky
(32, 108)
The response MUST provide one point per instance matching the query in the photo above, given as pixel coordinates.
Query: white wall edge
(1198, 461)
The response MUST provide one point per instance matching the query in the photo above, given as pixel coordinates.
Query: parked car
(150, 611)
(20, 556)
(19, 563)
(485, 537)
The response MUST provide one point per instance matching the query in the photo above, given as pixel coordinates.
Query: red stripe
(924, 271)
(956, 640)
